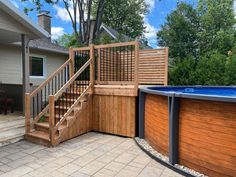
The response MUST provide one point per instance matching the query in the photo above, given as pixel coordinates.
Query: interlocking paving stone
(89, 155)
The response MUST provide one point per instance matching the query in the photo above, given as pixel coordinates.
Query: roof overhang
(33, 31)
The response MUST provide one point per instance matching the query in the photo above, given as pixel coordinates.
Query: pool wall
(199, 134)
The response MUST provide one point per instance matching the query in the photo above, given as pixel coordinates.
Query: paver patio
(92, 154)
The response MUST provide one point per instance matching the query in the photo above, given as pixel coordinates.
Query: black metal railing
(76, 88)
(40, 96)
(115, 63)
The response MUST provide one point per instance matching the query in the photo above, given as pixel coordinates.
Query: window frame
(44, 67)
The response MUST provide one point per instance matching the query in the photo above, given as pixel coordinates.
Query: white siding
(11, 67)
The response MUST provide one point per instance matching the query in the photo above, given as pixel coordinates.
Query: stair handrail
(50, 78)
(66, 86)
(72, 79)
(30, 96)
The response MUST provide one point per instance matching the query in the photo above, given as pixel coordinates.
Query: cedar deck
(95, 90)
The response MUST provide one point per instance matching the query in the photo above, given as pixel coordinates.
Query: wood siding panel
(156, 123)
(114, 114)
(153, 66)
(207, 139)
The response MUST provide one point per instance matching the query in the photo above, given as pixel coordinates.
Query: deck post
(136, 72)
(92, 68)
(72, 63)
(141, 116)
(173, 129)
(27, 113)
(52, 119)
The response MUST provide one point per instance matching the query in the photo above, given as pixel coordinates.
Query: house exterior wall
(11, 66)
(11, 70)
(53, 62)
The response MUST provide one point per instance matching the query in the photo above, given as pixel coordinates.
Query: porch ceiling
(9, 36)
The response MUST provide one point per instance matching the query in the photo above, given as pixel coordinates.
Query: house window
(37, 68)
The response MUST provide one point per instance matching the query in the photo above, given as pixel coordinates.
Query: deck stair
(60, 108)
(41, 132)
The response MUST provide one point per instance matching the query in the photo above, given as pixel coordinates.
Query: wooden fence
(153, 66)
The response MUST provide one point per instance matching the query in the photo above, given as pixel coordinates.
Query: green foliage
(216, 22)
(126, 16)
(230, 71)
(179, 33)
(67, 40)
(42, 119)
(210, 70)
(182, 72)
(200, 42)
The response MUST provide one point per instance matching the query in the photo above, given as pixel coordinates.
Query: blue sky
(153, 21)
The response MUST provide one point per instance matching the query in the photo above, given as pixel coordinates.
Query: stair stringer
(79, 123)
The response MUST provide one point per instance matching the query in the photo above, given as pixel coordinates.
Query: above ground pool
(193, 126)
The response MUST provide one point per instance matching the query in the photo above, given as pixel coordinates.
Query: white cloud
(151, 4)
(57, 32)
(62, 13)
(150, 33)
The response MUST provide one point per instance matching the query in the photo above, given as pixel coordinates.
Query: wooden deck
(99, 93)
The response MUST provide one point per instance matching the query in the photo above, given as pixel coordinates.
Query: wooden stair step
(56, 116)
(62, 107)
(68, 99)
(46, 125)
(42, 124)
(39, 135)
(71, 93)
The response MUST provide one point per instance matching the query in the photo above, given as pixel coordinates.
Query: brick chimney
(44, 20)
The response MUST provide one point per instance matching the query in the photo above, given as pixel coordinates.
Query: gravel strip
(158, 155)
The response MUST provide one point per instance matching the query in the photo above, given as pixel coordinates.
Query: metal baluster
(45, 96)
(33, 108)
(41, 99)
(37, 103)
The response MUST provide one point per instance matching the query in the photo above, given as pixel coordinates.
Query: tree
(126, 16)
(199, 41)
(179, 32)
(83, 9)
(210, 69)
(182, 72)
(67, 40)
(216, 30)
(230, 68)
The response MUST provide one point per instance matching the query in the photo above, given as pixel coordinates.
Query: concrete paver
(89, 155)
